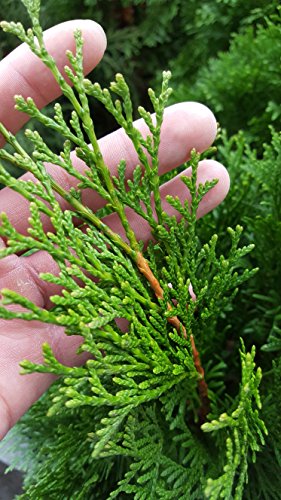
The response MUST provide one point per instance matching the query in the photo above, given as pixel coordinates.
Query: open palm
(186, 126)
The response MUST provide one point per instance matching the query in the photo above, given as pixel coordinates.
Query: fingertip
(212, 169)
(186, 126)
(94, 28)
(210, 122)
(198, 122)
(208, 170)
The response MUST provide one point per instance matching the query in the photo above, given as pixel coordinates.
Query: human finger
(208, 170)
(185, 126)
(21, 72)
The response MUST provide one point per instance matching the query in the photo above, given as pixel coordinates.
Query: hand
(186, 126)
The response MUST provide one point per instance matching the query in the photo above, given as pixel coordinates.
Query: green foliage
(242, 87)
(132, 422)
(254, 197)
(241, 429)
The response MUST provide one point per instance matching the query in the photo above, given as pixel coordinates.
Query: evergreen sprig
(145, 391)
(244, 432)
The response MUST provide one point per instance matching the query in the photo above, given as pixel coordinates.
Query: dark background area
(10, 484)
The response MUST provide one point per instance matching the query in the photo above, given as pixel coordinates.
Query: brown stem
(202, 384)
(174, 320)
(158, 290)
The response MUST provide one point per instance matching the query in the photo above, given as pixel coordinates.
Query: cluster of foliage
(135, 421)
(254, 198)
(242, 87)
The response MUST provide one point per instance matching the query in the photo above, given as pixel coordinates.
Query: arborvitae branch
(141, 396)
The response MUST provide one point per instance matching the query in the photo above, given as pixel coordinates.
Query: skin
(186, 126)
